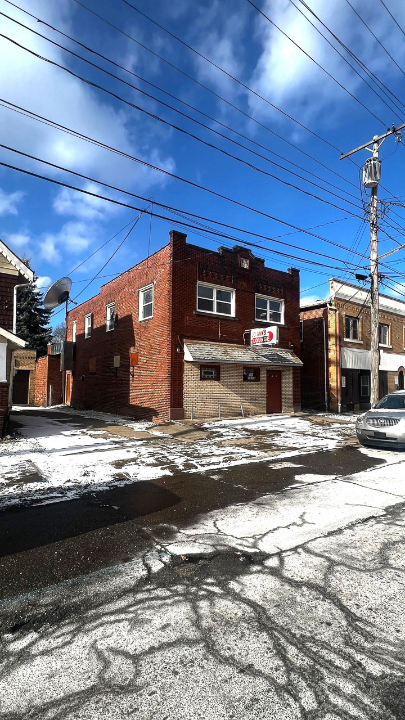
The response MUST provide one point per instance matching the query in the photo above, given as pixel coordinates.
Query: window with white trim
(269, 309)
(215, 299)
(364, 385)
(110, 317)
(384, 334)
(351, 328)
(87, 325)
(146, 302)
(74, 330)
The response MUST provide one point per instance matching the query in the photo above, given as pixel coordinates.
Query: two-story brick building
(335, 348)
(169, 338)
(13, 272)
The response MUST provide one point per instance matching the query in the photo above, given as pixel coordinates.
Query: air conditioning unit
(371, 172)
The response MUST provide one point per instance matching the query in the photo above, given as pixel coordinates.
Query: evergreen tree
(32, 318)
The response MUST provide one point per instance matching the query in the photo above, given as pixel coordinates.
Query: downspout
(325, 363)
(15, 305)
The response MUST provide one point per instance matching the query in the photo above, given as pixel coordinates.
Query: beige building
(335, 348)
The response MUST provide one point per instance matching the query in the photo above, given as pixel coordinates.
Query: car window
(391, 402)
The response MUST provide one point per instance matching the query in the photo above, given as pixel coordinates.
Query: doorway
(68, 390)
(400, 380)
(21, 385)
(273, 396)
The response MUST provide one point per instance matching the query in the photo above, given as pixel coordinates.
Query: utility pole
(371, 178)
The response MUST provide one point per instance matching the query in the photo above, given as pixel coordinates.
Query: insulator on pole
(371, 172)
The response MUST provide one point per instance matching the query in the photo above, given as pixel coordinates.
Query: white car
(384, 425)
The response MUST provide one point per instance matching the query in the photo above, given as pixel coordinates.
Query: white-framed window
(215, 299)
(351, 328)
(301, 331)
(146, 302)
(384, 334)
(87, 325)
(403, 336)
(74, 330)
(364, 385)
(269, 310)
(110, 316)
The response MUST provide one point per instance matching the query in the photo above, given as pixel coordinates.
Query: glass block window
(213, 299)
(269, 309)
(209, 372)
(146, 303)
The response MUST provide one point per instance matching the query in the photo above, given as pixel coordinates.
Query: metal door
(273, 399)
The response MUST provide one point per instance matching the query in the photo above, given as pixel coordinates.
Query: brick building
(13, 273)
(24, 377)
(169, 338)
(335, 348)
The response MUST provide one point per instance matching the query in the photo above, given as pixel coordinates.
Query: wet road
(41, 545)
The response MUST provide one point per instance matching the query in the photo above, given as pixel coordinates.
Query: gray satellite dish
(58, 293)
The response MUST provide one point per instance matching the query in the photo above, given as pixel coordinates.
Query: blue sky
(58, 228)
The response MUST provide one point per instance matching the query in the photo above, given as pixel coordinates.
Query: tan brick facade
(209, 398)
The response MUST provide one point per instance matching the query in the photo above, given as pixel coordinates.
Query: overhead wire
(176, 127)
(394, 19)
(180, 100)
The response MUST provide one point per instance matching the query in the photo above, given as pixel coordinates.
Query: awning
(225, 353)
(355, 359)
(391, 361)
(12, 340)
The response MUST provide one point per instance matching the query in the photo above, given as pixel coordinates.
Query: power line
(183, 102)
(375, 37)
(163, 217)
(212, 92)
(211, 62)
(343, 57)
(315, 62)
(169, 124)
(168, 207)
(395, 21)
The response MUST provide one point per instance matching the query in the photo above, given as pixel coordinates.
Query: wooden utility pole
(371, 178)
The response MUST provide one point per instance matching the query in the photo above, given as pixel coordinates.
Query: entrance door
(273, 400)
(21, 384)
(68, 390)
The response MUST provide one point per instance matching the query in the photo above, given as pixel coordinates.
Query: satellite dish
(58, 293)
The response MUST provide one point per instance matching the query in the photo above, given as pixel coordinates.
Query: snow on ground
(62, 458)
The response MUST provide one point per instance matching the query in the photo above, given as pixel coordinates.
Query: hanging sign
(264, 336)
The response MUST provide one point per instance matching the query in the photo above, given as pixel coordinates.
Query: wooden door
(21, 384)
(273, 399)
(68, 392)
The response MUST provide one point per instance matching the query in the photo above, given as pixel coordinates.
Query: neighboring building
(24, 377)
(169, 338)
(335, 348)
(49, 378)
(13, 272)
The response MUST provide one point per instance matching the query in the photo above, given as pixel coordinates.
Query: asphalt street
(265, 589)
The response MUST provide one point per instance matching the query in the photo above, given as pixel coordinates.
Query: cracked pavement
(271, 589)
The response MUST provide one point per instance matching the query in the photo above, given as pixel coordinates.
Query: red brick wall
(47, 374)
(7, 283)
(147, 393)
(156, 390)
(313, 357)
(4, 390)
(191, 264)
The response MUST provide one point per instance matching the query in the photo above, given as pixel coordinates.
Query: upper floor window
(301, 331)
(351, 328)
(269, 309)
(110, 317)
(383, 334)
(244, 263)
(74, 330)
(146, 302)
(213, 299)
(87, 325)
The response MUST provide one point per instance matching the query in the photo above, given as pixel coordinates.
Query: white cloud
(289, 79)
(48, 250)
(310, 299)
(16, 241)
(43, 282)
(31, 83)
(86, 207)
(9, 202)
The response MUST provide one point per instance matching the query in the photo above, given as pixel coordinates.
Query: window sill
(144, 319)
(215, 315)
(389, 347)
(109, 329)
(270, 322)
(358, 342)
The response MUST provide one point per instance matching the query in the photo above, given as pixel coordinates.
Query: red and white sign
(264, 336)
